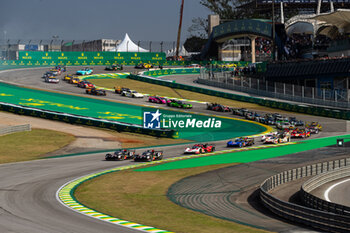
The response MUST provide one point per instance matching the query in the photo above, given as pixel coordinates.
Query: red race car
(199, 149)
(300, 133)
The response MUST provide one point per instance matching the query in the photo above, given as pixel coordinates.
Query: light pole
(273, 32)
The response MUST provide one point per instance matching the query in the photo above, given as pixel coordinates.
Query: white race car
(264, 137)
(52, 79)
(277, 139)
(132, 94)
(285, 125)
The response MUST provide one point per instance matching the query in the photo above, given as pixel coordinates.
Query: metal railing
(15, 129)
(290, 92)
(326, 221)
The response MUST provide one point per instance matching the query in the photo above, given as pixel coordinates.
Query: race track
(27, 197)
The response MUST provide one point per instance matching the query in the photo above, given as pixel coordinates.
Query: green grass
(141, 197)
(30, 145)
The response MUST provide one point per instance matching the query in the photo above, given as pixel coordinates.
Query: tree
(230, 9)
(194, 44)
(199, 28)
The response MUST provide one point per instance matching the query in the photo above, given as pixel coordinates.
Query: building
(94, 45)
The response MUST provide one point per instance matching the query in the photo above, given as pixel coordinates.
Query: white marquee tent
(128, 46)
(182, 52)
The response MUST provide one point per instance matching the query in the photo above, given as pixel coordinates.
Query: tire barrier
(318, 203)
(326, 221)
(90, 121)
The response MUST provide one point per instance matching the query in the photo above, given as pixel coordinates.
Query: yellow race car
(74, 80)
(68, 77)
(144, 66)
(314, 124)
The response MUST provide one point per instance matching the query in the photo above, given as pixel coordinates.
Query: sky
(143, 20)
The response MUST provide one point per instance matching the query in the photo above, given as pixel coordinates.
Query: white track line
(326, 193)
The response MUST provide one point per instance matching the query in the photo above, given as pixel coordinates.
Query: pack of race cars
(169, 102)
(51, 75)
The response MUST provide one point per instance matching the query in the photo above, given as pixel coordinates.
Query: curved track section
(232, 193)
(66, 197)
(28, 189)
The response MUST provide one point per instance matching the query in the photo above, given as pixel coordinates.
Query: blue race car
(240, 142)
(85, 71)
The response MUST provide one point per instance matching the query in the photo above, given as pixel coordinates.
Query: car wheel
(213, 149)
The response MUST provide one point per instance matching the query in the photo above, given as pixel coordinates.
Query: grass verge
(30, 145)
(141, 197)
(154, 89)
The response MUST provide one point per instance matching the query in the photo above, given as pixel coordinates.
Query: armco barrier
(318, 203)
(82, 120)
(300, 108)
(326, 221)
(15, 129)
(144, 78)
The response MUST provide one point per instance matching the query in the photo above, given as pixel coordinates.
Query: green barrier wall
(312, 110)
(81, 120)
(156, 73)
(88, 58)
(38, 58)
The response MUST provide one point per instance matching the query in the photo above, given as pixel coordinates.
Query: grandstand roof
(339, 18)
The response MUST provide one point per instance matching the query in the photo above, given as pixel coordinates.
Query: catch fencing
(15, 129)
(326, 221)
(316, 96)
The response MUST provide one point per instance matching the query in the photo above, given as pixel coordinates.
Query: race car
(300, 133)
(68, 77)
(313, 130)
(157, 99)
(55, 72)
(178, 104)
(85, 71)
(119, 90)
(95, 91)
(240, 142)
(121, 154)
(49, 74)
(295, 122)
(199, 149)
(74, 80)
(52, 79)
(280, 138)
(314, 124)
(144, 66)
(131, 93)
(114, 67)
(85, 84)
(240, 111)
(61, 68)
(264, 137)
(218, 107)
(252, 116)
(149, 156)
(284, 125)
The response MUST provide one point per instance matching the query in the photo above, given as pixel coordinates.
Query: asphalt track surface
(338, 194)
(27, 197)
